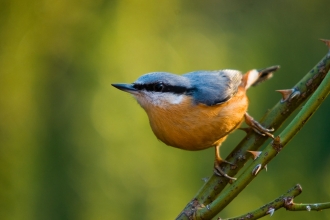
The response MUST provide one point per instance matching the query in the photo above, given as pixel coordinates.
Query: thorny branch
(271, 207)
(207, 203)
(307, 207)
(284, 201)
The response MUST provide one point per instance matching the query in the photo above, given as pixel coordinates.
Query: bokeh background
(73, 147)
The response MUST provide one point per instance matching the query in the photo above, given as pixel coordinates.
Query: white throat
(158, 99)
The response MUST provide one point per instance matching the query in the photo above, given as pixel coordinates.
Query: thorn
(256, 170)
(255, 154)
(265, 167)
(270, 211)
(285, 93)
(288, 94)
(205, 179)
(327, 42)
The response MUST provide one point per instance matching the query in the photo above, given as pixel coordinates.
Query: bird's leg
(257, 127)
(218, 160)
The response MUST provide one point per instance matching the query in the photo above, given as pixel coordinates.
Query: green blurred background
(73, 147)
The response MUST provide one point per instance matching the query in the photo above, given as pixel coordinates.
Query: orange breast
(196, 127)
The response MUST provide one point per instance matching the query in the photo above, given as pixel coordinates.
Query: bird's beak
(125, 87)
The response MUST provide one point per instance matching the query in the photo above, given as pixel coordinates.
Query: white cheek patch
(175, 99)
(162, 100)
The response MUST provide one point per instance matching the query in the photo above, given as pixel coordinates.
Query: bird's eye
(158, 87)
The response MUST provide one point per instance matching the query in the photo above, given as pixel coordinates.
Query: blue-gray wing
(214, 87)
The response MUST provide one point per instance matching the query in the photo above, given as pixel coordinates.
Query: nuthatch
(197, 110)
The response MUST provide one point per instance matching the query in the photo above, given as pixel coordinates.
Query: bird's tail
(254, 77)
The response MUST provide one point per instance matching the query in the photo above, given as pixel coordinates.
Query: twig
(271, 207)
(308, 207)
(284, 201)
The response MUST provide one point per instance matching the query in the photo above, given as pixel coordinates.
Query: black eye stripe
(159, 87)
(162, 87)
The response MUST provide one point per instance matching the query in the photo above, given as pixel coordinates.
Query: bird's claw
(257, 127)
(219, 172)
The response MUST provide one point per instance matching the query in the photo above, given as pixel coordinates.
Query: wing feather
(214, 87)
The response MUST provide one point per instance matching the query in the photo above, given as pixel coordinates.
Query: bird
(199, 109)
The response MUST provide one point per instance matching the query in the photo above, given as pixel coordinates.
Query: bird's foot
(219, 172)
(257, 127)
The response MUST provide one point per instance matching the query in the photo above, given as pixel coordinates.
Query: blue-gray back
(214, 87)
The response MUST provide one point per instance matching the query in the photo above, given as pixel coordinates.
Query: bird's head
(159, 89)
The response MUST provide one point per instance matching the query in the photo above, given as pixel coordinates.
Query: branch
(269, 153)
(271, 207)
(308, 207)
(286, 201)
(274, 118)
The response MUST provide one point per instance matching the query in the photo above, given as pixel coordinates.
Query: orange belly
(197, 127)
